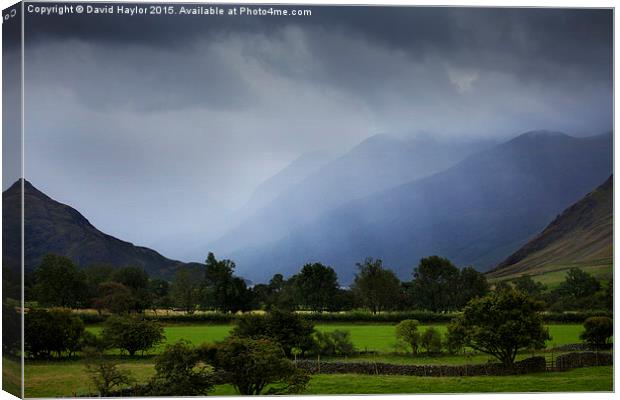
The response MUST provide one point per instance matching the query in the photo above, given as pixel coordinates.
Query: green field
(56, 378)
(366, 337)
(67, 378)
(584, 379)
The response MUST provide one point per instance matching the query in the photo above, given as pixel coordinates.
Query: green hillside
(582, 236)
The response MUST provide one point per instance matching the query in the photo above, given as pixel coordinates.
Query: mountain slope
(378, 163)
(52, 227)
(474, 213)
(582, 233)
(288, 177)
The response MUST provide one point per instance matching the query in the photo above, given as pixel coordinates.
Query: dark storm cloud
(528, 41)
(208, 107)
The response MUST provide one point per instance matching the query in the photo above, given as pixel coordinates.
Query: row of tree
(58, 282)
(437, 285)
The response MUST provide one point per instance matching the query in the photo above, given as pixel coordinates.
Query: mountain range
(474, 212)
(397, 200)
(378, 163)
(53, 227)
(583, 233)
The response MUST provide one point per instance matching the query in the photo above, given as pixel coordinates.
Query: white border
(472, 3)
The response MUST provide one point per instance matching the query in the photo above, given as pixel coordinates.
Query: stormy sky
(158, 128)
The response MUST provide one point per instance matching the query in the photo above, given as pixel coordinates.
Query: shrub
(407, 331)
(48, 332)
(455, 338)
(132, 334)
(104, 372)
(431, 340)
(180, 371)
(287, 329)
(597, 331)
(250, 365)
(337, 342)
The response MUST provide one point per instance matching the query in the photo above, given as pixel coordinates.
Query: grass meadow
(67, 377)
(366, 337)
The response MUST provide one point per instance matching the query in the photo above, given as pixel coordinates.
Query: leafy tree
(407, 331)
(529, 286)
(180, 371)
(49, 332)
(597, 330)
(608, 296)
(343, 300)
(59, 283)
(114, 297)
(137, 280)
(104, 372)
(317, 285)
(287, 329)
(578, 284)
(250, 365)
(95, 275)
(501, 286)
(11, 330)
(470, 284)
(455, 338)
(278, 294)
(222, 290)
(160, 294)
(132, 334)
(431, 340)
(185, 292)
(501, 324)
(376, 287)
(436, 284)
(334, 343)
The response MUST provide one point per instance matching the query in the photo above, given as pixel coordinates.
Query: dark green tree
(318, 286)
(185, 292)
(137, 280)
(114, 297)
(52, 332)
(376, 287)
(159, 290)
(11, 330)
(222, 290)
(597, 330)
(430, 340)
(132, 334)
(95, 275)
(436, 284)
(59, 283)
(407, 331)
(470, 284)
(287, 329)
(104, 372)
(335, 343)
(529, 286)
(180, 371)
(578, 284)
(455, 338)
(250, 365)
(502, 285)
(501, 324)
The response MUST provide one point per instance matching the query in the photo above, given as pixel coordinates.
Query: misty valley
(358, 200)
(525, 224)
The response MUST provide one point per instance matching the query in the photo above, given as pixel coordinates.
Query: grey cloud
(183, 117)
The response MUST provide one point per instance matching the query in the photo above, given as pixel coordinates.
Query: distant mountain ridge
(581, 233)
(377, 163)
(475, 212)
(53, 227)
